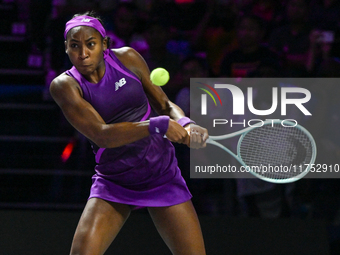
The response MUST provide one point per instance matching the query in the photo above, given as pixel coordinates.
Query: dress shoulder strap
(75, 74)
(110, 58)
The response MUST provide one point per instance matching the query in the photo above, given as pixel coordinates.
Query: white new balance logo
(120, 83)
(85, 20)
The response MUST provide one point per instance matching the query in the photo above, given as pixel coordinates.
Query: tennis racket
(277, 151)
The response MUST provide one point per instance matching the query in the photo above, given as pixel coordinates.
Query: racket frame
(243, 133)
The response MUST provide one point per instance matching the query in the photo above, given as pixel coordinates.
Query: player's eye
(91, 44)
(74, 45)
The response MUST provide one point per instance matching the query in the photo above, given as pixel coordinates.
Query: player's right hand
(176, 133)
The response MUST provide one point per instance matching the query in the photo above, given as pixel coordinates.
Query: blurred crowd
(234, 38)
(226, 38)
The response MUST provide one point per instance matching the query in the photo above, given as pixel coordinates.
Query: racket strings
(284, 152)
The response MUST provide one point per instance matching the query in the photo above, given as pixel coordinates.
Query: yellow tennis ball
(159, 76)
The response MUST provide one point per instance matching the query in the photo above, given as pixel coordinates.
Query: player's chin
(86, 70)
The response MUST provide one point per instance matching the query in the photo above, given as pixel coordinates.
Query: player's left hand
(198, 136)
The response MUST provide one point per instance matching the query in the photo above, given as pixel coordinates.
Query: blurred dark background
(46, 166)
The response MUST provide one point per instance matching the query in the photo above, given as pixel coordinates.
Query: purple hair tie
(159, 125)
(185, 121)
(84, 21)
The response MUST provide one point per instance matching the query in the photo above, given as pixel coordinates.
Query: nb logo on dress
(120, 83)
(85, 20)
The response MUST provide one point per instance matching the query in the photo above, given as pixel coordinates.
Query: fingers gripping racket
(278, 152)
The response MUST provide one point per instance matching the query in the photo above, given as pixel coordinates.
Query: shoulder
(131, 59)
(126, 54)
(63, 83)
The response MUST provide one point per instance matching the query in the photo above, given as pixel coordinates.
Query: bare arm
(161, 103)
(83, 117)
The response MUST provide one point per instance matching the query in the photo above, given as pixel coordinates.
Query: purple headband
(84, 21)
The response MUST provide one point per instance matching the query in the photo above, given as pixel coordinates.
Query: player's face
(85, 46)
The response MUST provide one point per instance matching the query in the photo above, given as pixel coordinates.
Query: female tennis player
(106, 96)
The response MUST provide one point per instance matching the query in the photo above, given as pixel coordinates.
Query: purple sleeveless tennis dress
(143, 173)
